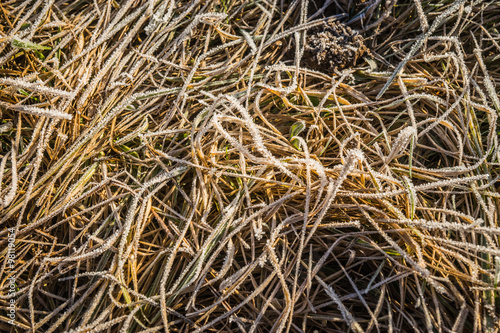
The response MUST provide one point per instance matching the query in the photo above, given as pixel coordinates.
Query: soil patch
(333, 46)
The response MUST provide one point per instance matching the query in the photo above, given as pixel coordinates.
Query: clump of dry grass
(172, 166)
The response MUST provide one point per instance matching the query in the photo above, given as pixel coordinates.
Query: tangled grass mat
(222, 166)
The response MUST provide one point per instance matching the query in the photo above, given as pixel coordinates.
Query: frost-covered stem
(420, 41)
(36, 87)
(13, 187)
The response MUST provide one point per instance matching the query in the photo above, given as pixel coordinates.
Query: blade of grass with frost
(98, 124)
(422, 187)
(230, 257)
(187, 81)
(257, 291)
(21, 23)
(497, 271)
(200, 18)
(348, 317)
(108, 34)
(114, 56)
(6, 127)
(410, 157)
(160, 41)
(249, 41)
(295, 130)
(2, 170)
(228, 261)
(490, 88)
(41, 16)
(157, 16)
(92, 253)
(13, 187)
(129, 137)
(88, 293)
(75, 189)
(412, 195)
(131, 211)
(36, 111)
(401, 143)
(486, 241)
(353, 156)
(193, 269)
(420, 41)
(164, 302)
(422, 271)
(255, 133)
(36, 87)
(27, 45)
